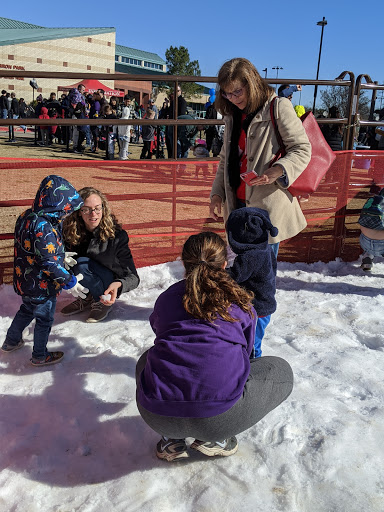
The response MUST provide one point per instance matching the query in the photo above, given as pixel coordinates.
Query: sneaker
(9, 347)
(51, 358)
(99, 311)
(78, 151)
(171, 449)
(77, 306)
(367, 264)
(223, 448)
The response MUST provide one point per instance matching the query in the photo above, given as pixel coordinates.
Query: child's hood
(56, 197)
(248, 229)
(44, 110)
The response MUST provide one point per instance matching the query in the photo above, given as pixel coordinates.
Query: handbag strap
(281, 151)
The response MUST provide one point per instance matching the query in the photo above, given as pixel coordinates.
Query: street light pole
(277, 73)
(265, 71)
(322, 24)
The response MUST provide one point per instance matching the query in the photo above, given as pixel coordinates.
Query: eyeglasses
(87, 210)
(234, 94)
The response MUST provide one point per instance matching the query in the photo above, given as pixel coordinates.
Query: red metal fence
(162, 202)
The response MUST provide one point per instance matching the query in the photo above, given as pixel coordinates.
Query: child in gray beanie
(255, 265)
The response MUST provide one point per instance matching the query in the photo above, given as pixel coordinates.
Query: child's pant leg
(124, 149)
(44, 314)
(22, 319)
(111, 144)
(261, 325)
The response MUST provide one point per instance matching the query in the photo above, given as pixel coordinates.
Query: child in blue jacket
(255, 265)
(39, 266)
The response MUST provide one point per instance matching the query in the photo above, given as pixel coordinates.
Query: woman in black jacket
(102, 253)
(333, 133)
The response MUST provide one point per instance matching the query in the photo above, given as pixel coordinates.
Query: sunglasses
(234, 94)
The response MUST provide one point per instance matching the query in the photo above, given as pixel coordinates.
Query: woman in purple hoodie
(198, 380)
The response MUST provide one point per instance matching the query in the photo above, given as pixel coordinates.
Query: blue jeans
(88, 135)
(372, 247)
(97, 278)
(4, 113)
(44, 313)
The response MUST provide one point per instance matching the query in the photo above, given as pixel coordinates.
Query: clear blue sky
(269, 33)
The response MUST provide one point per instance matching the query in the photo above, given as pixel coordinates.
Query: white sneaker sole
(213, 452)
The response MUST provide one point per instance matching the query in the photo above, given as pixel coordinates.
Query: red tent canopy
(91, 86)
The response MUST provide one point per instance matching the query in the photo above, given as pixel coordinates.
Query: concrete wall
(86, 54)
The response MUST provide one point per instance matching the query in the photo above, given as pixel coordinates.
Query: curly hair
(74, 229)
(209, 290)
(245, 72)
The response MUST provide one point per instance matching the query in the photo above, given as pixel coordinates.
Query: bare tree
(337, 96)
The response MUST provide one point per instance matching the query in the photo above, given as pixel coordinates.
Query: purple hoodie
(196, 369)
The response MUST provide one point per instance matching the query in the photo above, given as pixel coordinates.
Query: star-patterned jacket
(39, 252)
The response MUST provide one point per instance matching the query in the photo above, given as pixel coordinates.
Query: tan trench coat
(262, 145)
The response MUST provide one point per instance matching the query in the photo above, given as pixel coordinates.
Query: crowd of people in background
(77, 104)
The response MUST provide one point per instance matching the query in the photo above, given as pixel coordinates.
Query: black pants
(269, 383)
(146, 151)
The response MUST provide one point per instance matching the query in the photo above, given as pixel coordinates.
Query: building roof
(121, 67)
(8, 23)
(125, 51)
(18, 32)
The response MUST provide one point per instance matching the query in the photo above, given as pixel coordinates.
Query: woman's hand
(112, 291)
(270, 176)
(216, 202)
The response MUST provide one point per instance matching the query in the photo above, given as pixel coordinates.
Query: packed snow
(71, 438)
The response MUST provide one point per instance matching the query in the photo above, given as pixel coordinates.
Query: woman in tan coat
(250, 143)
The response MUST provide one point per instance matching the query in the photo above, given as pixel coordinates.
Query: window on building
(89, 67)
(152, 65)
(108, 70)
(89, 39)
(65, 64)
(11, 87)
(129, 60)
(39, 61)
(11, 57)
(109, 43)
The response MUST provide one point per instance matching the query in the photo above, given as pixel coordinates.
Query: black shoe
(51, 358)
(367, 264)
(171, 449)
(223, 448)
(8, 347)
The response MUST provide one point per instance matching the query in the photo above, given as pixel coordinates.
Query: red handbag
(321, 159)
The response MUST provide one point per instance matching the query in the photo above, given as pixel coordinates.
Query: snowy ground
(71, 438)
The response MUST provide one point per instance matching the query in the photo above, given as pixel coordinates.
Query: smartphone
(248, 176)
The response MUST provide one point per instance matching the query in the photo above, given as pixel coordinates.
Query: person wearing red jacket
(45, 130)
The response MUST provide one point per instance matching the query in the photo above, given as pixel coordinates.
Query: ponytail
(209, 290)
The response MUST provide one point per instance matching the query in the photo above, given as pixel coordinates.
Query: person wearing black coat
(181, 111)
(333, 133)
(99, 250)
(255, 265)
